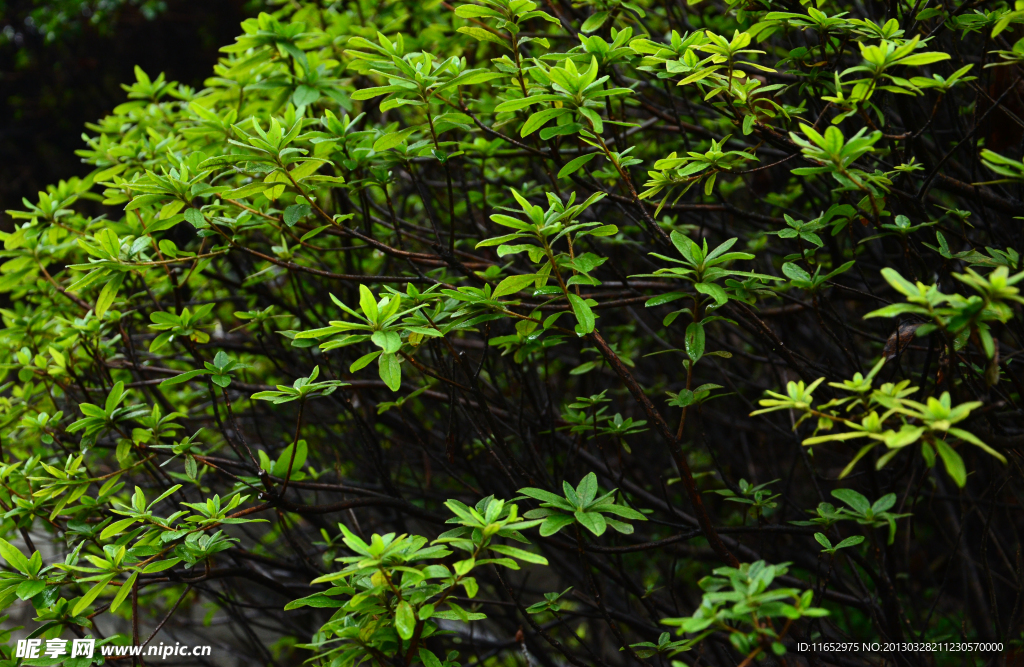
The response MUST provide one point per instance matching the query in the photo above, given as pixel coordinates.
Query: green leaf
(124, 591)
(405, 620)
(139, 202)
(296, 212)
(576, 164)
(364, 361)
(545, 496)
(664, 298)
(894, 309)
(795, 272)
(974, 440)
(13, 556)
(389, 341)
(313, 232)
(586, 491)
(369, 93)
(295, 52)
(709, 185)
(109, 241)
(898, 282)
(392, 139)
(161, 565)
(695, 341)
(475, 11)
(595, 21)
(484, 35)
(555, 523)
(285, 459)
(426, 657)
(30, 588)
(592, 521)
(184, 377)
(523, 102)
(368, 304)
(247, 190)
(522, 555)
(953, 462)
(513, 284)
(919, 59)
(850, 542)
(303, 171)
(390, 371)
(537, 120)
(305, 95)
(230, 158)
(84, 602)
(115, 528)
(622, 511)
(853, 499)
(584, 315)
(470, 78)
(109, 293)
(195, 217)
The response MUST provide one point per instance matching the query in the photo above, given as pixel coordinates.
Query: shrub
(398, 266)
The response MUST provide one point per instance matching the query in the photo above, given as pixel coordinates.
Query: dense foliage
(490, 332)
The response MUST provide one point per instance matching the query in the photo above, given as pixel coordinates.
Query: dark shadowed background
(62, 64)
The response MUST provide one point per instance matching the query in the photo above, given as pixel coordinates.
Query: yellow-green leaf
(126, 588)
(84, 602)
(513, 284)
